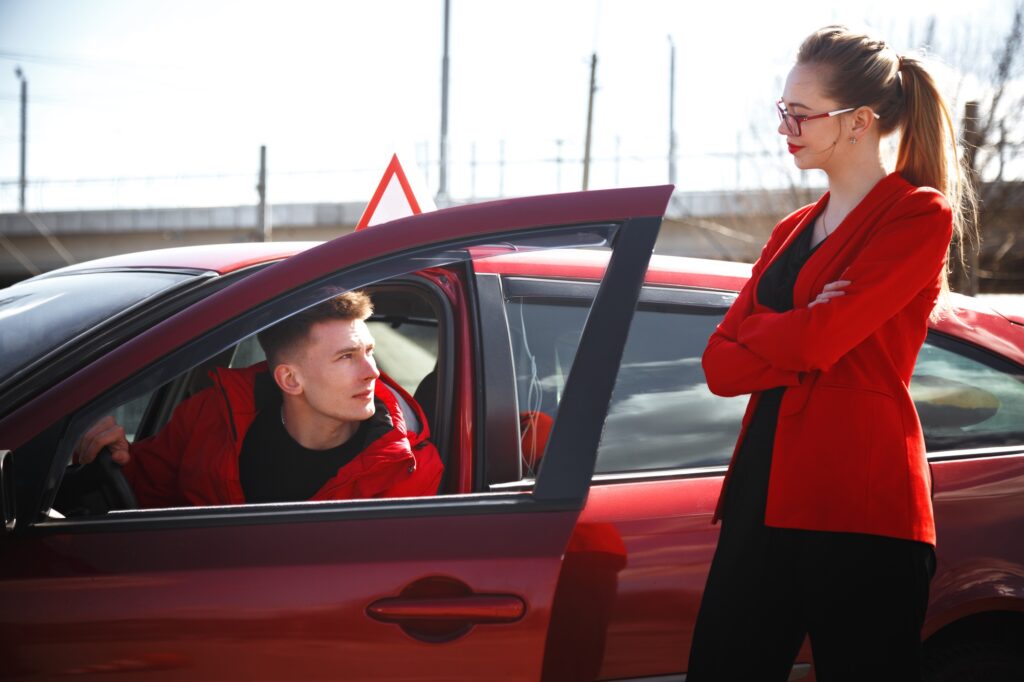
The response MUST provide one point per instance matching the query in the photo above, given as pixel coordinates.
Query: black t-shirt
(273, 467)
(775, 289)
(747, 493)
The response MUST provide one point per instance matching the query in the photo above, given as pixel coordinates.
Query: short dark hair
(352, 305)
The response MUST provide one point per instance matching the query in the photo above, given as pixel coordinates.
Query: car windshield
(41, 315)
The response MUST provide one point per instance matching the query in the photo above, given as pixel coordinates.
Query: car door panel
(285, 600)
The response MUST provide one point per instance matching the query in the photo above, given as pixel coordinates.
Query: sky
(174, 98)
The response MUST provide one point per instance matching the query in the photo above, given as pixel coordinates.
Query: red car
(570, 537)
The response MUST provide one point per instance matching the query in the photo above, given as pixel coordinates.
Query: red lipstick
(794, 148)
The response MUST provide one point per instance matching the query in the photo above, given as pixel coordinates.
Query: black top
(747, 493)
(775, 289)
(273, 467)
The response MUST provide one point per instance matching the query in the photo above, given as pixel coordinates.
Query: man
(314, 422)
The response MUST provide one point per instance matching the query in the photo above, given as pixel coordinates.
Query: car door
(442, 588)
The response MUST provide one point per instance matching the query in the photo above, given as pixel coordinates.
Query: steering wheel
(95, 488)
(114, 487)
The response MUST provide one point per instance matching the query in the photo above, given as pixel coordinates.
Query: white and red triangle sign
(394, 198)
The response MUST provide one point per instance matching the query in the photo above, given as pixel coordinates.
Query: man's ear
(287, 379)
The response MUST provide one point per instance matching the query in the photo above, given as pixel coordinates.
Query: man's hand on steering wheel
(106, 433)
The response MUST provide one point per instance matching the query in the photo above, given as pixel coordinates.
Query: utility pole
(558, 166)
(501, 169)
(672, 112)
(590, 121)
(618, 158)
(264, 230)
(472, 170)
(24, 125)
(442, 188)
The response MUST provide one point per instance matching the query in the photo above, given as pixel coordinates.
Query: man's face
(337, 371)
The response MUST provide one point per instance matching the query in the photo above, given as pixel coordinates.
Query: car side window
(662, 414)
(966, 399)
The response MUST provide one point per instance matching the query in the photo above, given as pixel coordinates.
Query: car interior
(410, 328)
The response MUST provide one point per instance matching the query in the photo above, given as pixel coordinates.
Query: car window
(130, 414)
(965, 399)
(662, 414)
(43, 314)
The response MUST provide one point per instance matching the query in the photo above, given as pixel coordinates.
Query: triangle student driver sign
(393, 199)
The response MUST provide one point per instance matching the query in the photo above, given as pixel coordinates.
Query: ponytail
(928, 154)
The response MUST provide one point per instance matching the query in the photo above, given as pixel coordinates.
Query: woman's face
(821, 140)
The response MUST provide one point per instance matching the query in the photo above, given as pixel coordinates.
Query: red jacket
(849, 452)
(194, 458)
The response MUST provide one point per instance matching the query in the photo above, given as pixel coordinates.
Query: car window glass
(964, 402)
(40, 315)
(130, 414)
(662, 414)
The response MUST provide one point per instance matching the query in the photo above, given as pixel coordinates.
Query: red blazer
(849, 452)
(194, 459)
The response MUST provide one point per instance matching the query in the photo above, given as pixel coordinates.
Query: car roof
(971, 319)
(219, 258)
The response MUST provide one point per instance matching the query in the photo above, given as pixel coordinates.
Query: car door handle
(474, 608)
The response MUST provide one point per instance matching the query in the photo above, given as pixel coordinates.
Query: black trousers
(860, 598)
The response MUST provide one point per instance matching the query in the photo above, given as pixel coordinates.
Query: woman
(827, 526)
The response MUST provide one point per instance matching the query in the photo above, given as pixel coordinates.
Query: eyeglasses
(793, 122)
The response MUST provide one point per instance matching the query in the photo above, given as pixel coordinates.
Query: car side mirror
(6, 491)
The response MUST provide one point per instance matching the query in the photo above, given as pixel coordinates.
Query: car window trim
(441, 437)
(975, 453)
(498, 431)
(626, 477)
(518, 286)
(174, 518)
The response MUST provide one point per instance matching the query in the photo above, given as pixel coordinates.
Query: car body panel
(286, 601)
(979, 509)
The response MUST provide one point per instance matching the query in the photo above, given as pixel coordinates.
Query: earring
(853, 140)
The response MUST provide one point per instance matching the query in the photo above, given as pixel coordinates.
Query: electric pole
(264, 230)
(590, 121)
(442, 188)
(24, 125)
(672, 112)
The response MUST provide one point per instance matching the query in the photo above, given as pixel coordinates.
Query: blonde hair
(863, 71)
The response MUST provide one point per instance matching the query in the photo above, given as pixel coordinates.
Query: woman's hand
(830, 291)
